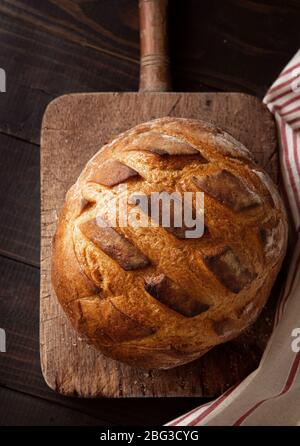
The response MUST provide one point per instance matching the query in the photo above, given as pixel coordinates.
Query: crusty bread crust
(147, 296)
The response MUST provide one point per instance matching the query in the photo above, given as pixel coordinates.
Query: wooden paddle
(75, 126)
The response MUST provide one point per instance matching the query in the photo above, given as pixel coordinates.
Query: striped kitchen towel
(270, 396)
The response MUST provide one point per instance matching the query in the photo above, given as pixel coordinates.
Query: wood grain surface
(52, 47)
(74, 128)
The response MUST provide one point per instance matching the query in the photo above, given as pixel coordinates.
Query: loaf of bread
(148, 295)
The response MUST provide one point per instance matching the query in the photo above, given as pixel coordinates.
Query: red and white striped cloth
(271, 394)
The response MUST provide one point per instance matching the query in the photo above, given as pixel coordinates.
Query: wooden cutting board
(74, 128)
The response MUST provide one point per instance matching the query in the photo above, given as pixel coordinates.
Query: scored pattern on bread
(131, 329)
(224, 326)
(149, 296)
(111, 173)
(84, 205)
(207, 137)
(163, 144)
(114, 245)
(167, 292)
(228, 189)
(270, 236)
(229, 270)
(107, 316)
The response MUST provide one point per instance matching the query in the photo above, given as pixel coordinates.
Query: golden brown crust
(148, 296)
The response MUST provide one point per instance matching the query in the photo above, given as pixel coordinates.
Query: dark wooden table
(52, 47)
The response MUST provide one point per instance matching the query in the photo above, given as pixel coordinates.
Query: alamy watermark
(2, 90)
(2, 341)
(2, 81)
(184, 210)
(296, 341)
(296, 81)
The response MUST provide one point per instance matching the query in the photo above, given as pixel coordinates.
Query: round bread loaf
(148, 295)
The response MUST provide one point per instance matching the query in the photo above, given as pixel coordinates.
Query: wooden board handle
(155, 63)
